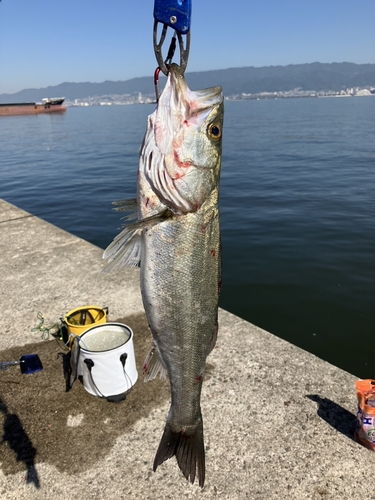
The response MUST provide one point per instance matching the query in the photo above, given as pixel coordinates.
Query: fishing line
(54, 330)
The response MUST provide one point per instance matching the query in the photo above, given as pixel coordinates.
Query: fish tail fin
(188, 447)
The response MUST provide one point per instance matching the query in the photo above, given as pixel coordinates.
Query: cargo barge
(48, 105)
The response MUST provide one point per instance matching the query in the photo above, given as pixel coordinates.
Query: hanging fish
(176, 242)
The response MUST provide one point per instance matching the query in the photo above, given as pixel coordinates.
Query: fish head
(188, 135)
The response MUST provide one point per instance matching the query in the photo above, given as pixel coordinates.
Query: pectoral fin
(127, 206)
(126, 248)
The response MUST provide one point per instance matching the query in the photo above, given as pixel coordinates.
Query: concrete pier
(278, 421)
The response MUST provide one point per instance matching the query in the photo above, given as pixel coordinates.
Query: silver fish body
(177, 241)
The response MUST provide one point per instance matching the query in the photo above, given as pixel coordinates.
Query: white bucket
(106, 360)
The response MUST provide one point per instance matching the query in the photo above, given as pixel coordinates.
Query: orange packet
(365, 432)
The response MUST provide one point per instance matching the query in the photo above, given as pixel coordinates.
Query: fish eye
(214, 131)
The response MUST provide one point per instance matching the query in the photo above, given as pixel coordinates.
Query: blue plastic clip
(174, 13)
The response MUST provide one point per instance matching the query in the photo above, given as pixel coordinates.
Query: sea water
(296, 199)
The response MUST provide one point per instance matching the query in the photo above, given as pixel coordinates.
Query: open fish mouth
(177, 96)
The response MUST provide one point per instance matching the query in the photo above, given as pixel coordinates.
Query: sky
(48, 42)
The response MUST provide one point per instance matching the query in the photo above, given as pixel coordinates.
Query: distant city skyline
(47, 43)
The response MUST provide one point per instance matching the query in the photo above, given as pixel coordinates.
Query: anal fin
(153, 365)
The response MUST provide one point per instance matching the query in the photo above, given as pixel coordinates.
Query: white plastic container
(106, 360)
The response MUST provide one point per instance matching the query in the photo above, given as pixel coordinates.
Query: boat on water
(48, 105)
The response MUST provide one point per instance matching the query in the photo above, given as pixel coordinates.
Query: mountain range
(250, 80)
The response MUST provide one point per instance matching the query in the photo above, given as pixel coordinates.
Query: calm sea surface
(297, 206)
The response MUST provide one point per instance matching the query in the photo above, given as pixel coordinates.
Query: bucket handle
(123, 358)
(90, 363)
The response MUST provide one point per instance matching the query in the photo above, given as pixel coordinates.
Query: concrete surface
(278, 420)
